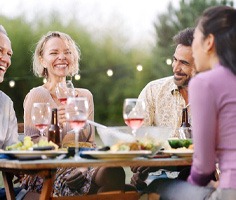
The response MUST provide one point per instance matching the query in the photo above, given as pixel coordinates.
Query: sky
(134, 17)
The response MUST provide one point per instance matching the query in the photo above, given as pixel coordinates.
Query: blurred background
(119, 56)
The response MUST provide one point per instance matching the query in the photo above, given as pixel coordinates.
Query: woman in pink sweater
(213, 106)
(56, 57)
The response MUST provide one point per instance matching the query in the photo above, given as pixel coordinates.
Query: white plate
(34, 154)
(116, 154)
(179, 152)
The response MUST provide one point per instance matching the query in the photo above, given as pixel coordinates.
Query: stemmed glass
(41, 116)
(76, 115)
(65, 90)
(133, 113)
(185, 133)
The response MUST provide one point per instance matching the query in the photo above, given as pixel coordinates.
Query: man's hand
(76, 179)
(144, 169)
(139, 177)
(140, 169)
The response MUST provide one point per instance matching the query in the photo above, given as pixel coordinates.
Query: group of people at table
(205, 54)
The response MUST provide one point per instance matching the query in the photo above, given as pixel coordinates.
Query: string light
(109, 72)
(168, 61)
(139, 67)
(12, 83)
(77, 77)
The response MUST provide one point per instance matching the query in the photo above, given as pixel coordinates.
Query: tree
(170, 23)
(21, 39)
(97, 56)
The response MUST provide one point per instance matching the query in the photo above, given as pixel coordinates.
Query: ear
(209, 43)
(41, 60)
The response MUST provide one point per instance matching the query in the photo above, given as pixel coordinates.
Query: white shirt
(164, 104)
(8, 122)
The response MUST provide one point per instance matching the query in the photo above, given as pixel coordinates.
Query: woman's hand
(61, 115)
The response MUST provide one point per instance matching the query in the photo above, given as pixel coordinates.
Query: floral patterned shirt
(164, 104)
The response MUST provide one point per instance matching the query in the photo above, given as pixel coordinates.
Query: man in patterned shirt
(165, 98)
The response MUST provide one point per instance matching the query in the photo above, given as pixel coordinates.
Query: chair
(20, 127)
(21, 131)
(130, 195)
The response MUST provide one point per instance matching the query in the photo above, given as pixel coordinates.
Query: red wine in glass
(41, 127)
(133, 113)
(63, 100)
(64, 90)
(77, 124)
(41, 116)
(134, 123)
(76, 111)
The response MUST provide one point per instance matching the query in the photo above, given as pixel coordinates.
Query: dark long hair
(220, 21)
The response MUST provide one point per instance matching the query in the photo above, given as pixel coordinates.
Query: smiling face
(5, 55)
(183, 65)
(57, 58)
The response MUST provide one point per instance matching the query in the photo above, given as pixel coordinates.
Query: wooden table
(47, 169)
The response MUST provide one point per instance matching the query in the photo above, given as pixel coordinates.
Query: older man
(165, 98)
(8, 121)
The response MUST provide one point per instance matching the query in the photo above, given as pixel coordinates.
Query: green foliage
(98, 54)
(96, 58)
(170, 23)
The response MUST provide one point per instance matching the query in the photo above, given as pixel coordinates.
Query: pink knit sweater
(42, 95)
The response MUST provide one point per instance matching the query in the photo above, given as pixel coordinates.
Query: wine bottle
(185, 131)
(54, 131)
(185, 122)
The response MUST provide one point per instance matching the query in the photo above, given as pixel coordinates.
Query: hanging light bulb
(109, 72)
(168, 61)
(77, 77)
(139, 67)
(12, 83)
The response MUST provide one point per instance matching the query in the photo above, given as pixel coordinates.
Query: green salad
(179, 143)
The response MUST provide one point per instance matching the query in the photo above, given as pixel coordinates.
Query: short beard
(184, 84)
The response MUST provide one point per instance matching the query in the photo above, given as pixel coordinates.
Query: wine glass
(76, 115)
(133, 113)
(185, 133)
(41, 116)
(65, 90)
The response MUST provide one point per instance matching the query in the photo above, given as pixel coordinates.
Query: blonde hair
(38, 68)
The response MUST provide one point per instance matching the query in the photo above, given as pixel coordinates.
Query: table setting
(150, 141)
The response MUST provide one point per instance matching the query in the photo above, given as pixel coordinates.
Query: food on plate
(149, 144)
(81, 144)
(126, 146)
(16, 146)
(180, 143)
(135, 146)
(28, 144)
(191, 146)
